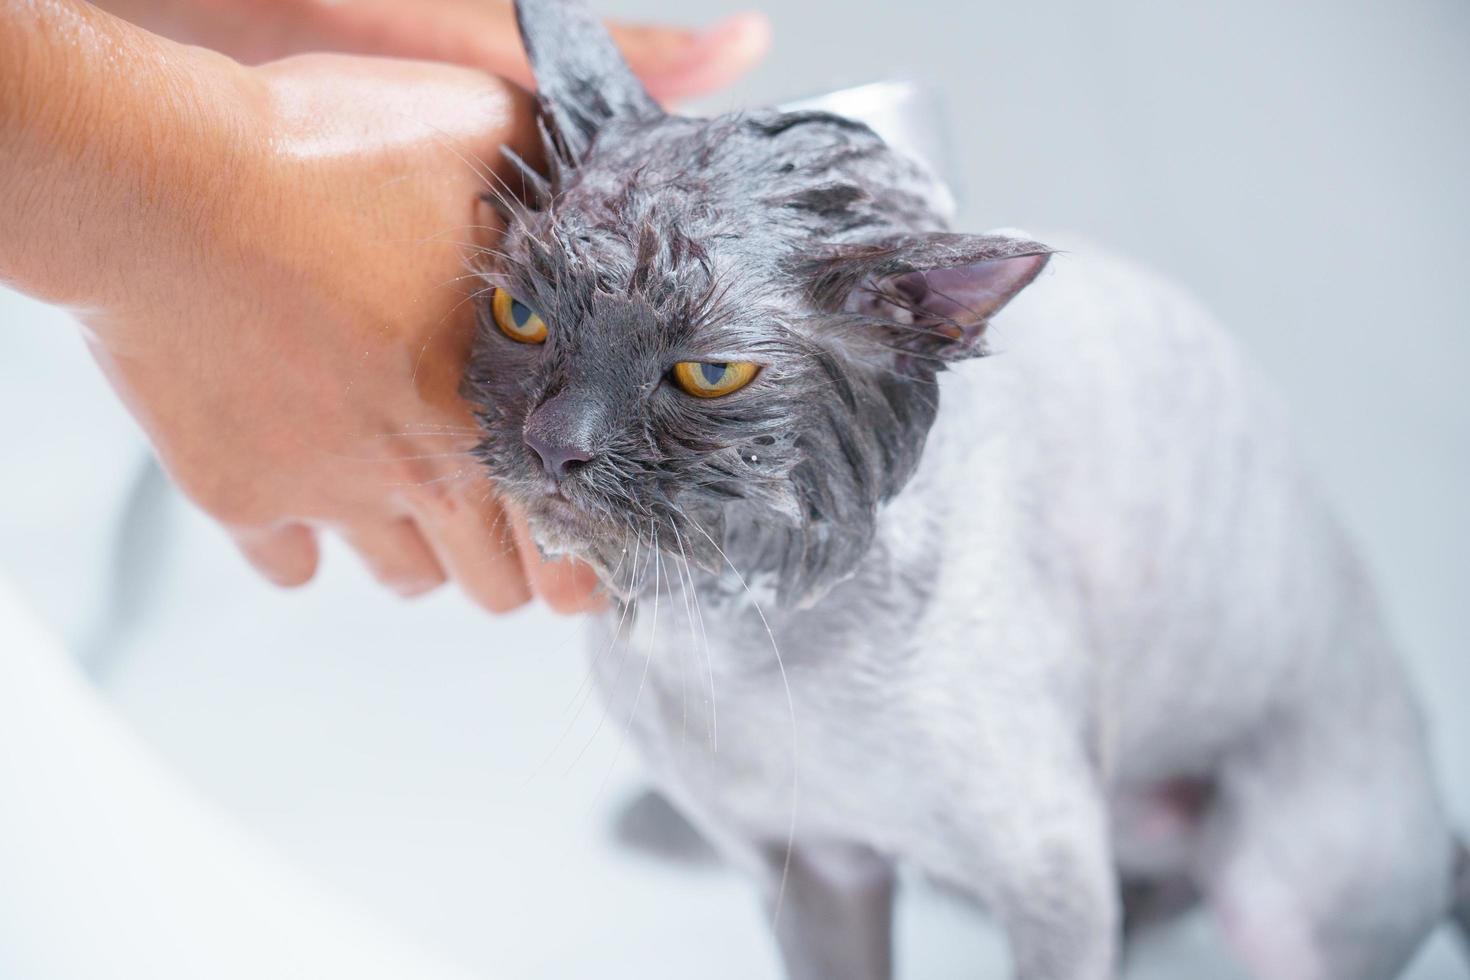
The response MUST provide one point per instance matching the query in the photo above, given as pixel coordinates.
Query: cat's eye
(704, 379)
(515, 319)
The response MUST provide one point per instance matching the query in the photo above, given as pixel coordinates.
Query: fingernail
(413, 588)
(737, 37)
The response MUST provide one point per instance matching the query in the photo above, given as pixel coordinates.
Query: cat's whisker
(424, 430)
(712, 728)
(458, 476)
(444, 140)
(579, 699)
(472, 227)
(468, 298)
(476, 274)
(618, 675)
(647, 661)
(684, 657)
(414, 457)
(424, 349)
(584, 688)
(477, 248)
(791, 711)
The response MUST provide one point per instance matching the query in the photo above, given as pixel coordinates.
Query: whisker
(456, 476)
(444, 140)
(712, 729)
(463, 453)
(647, 663)
(684, 657)
(587, 678)
(425, 429)
(791, 712)
(617, 679)
(577, 698)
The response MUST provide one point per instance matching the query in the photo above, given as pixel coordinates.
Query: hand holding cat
(271, 266)
(673, 63)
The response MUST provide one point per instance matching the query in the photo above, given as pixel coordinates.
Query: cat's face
(702, 336)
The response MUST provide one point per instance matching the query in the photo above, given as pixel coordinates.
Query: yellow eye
(515, 319)
(705, 380)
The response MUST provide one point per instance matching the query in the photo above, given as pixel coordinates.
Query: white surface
(114, 869)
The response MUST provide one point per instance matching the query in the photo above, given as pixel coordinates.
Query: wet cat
(1042, 625)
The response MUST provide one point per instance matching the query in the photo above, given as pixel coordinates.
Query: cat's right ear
(582, 81)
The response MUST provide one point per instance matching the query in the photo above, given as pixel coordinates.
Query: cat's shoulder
(1097, 305)
(1088, 281)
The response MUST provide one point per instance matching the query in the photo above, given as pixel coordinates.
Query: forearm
(117, 148)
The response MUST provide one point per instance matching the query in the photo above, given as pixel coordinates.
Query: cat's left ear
(937, 291)
(582, 80)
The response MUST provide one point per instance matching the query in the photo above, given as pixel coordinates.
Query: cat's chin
(563, 530)
(560, 529)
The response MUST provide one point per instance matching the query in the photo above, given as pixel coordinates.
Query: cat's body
(1039, 635)
(1087, 622)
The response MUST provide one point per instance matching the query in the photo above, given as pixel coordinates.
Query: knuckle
(436, 496)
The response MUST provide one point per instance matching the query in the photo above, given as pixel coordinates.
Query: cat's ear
(582, 81)
(937, 292)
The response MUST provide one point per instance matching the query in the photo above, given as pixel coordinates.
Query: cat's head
(712, 337)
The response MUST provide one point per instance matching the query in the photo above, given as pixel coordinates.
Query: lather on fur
(1081, 628)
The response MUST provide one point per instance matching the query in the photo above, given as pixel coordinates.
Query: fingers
(676, 64)
(473, 543)
(285, 554)
(489, 553)
(566, 586)
(398, 556)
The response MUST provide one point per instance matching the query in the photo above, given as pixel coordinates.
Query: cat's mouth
(554, 517)
(556, 506)
(570, 519)
(564, 528)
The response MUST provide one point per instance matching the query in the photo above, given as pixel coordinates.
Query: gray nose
(564, 430)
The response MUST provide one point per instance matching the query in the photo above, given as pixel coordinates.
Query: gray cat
(1100, 638)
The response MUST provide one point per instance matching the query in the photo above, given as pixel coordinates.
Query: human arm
(674, 63)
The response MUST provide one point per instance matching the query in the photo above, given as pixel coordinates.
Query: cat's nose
(563, 431)
(558, 458)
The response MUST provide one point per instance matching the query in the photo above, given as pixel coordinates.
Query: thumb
(673, 63)
(680, 64)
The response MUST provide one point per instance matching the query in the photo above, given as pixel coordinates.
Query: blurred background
(1302, 167)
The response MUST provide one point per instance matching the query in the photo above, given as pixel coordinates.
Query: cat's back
(1119, 457)
(1111, 388)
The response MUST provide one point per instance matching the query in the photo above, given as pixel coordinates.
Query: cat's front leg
(833, 915)
(1048, 875)
(831, 904)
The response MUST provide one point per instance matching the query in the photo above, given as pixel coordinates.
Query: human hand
(305, 374)
(272, 269)
(272, 273)
(673, 63)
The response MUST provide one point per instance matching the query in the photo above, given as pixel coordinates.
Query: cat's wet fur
(761, 236)
(984, 633)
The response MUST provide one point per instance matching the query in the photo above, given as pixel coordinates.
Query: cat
(1079, 628)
